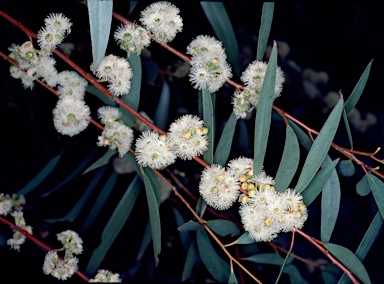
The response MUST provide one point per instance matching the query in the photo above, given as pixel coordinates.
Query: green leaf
(358, 90)
(218, 268)
(232, 278)
(100, 19)
(162, 110)
(346, 168)
(330, 203)
(208, 117)
(100, 201)
(99, 94)
(41, 176)
(362, 187)
(289, 161)
(350, 261)
(115, 224)
(294, 274)
(145, 241)
(101, 161)
(268, 258)
(132, 160)
(320, 148)
(346, 123)
(133, 97)
(243, 141)
(184, 237)
(377, 188)
(190, 260)
(154, 217)
(155, 184)
(221, 24)
(265, 28)
(330, 273)
(317, 184)
(223, 227)
(225, 143)
(189, 226)
(201, 206)
(369, 237)
(244, 239)
(304, 139)
(263, 113)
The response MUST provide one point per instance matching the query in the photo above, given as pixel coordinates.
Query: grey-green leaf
(346, 123)
(100, 19)
(265, 28)
(190, 261)
(232, 278)
(304, 139)
(145, 241)
(358, 90)
(114, 225)
(350, 261)
(244, 239)
(377, 187)
(223, 149)
(96, 92)
(189, 226)
(223, 227)
(320, 148)
(101, 161)
(346, 168)
(184, 237)
(289, 161)
(209, 122)
(162, 110)
(369, 237)
(218, 268)
(264, 113)
(362, 187)
(268, 258)
(221, 24)
(294, 274)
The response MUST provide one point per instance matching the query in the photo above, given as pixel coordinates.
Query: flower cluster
(117, 72)
(115, 134)
(132, 38)
(209, 67)
(106, 276)
(162, 20)
(265, 212)
(253, 77)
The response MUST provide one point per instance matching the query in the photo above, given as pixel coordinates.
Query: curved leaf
(346, 168)
(154, 217)
(369, 237)
(362, 187)
(145, 241)
(184, 237)
(96, 92)
(294, 274)
(223, 227)
(218, 268)
(289, 161)
(350, 261)
(377, 187)
(244, 239)
(115, 224)
(162, 110)
(225, 143)
(263, 113)
(201, 206)
(190, 260)
(189, 226)
(358, 90)
(265, 28)
(221, 24)
(268, 258)
(304, 139)
(320, 148)
(101, 161)
(346, 123)
(133, 97)
(41, 176)
(209, 121)
(100, 19)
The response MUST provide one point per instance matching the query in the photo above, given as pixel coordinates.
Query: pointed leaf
(268, 258)
(133, 97)
(208, 117)
(346, 168)
(362, 187)
(350, 261)
(265, 28)
(369, 237)
(263, 113)
(218, 268)
(317, 184)
(346, 123)
(221, 24)
(201, 206)
(100, 19)
(358, 90)
(190, 261)
(189, 226)
(155, 184)
(320, 148)
(102, 161)
(145, 241)
(304, 139)
(225, 143)
(154, 217)
(223, 227)
(377, 187)
(330, 203)
(184, 237)
(41, 176)
(96, 92)
(244, 239)
(162, 110)
(289, 161)
(132, 160)
(232, 278)
(115, 224)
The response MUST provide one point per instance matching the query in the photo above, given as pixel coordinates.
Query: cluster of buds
(132, 38)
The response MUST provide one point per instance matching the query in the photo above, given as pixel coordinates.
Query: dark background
(339, 39)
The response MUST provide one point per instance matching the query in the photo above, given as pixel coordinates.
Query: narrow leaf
(155, 184)
(221, 24)
(223, 149)
(320, 148)
(132, 160)
(218, 268)
(115, 224)
(102, 161)
(189, 226)
(346, 123)
(201, 206)
(162, 110)
(346, 168)
(184, 237)
(369, 237)
(362, 187)
(190, 261)
(377, 187)
(268, 258)
(289, 161)
(244, 239)
(154, 217)
(294, 274)
(232, 278)
(349, 260)
(96, 92)
(304, 139)
(133, 97)
(100, 19)
(145, 241)
(223, 227)
(208, 117)
(264, 112)
(41, 176)
(265, 28)
(358, 90)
